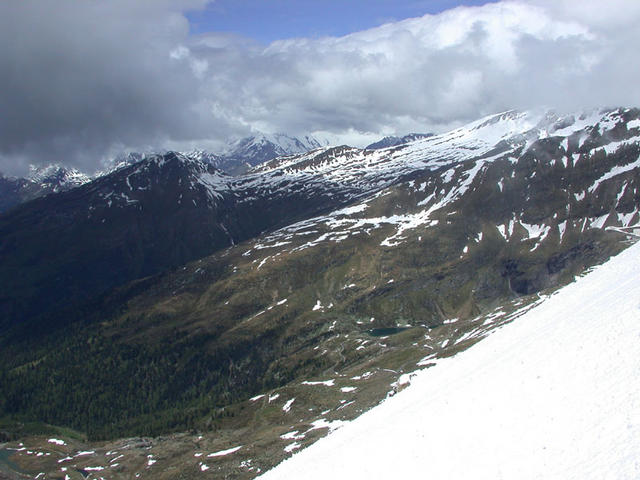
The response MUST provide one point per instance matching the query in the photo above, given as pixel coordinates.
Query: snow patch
(562, 227)
(222, 453)
(287, 406)
(294, 435)
(85, 452)
(348, 389)
(290, 448)
(326, 383)
(323, 423)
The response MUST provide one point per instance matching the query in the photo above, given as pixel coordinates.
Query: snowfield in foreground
(553, 395)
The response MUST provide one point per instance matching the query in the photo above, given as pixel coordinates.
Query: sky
(266, 21)
(84, 80)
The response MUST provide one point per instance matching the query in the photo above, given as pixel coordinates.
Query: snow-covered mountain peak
(496, 118)
(57, 177)
(289, 145)
(203, 155)
(502, 126)
(263, 147)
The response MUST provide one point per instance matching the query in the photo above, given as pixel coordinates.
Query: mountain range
(206, 311)
(237, 157)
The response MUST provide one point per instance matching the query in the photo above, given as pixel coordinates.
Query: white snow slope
(553, 395)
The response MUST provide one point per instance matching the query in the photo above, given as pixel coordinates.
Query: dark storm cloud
(80, 78)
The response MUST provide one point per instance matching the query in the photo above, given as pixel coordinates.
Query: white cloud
(423, 73)
(95, 76)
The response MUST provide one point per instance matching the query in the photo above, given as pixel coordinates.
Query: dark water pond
(383, 332)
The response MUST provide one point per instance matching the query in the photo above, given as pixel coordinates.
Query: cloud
(81, 78)
(424, 73)
(85, 79)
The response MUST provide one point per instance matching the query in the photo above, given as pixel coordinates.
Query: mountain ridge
(292, 188)
(392, 141)
(236, 158)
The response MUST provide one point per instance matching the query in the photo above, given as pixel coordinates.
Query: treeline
(108, 388)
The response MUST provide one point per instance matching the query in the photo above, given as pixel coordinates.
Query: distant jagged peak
(261, 147)
(204, 155)
(122, 160)
(57, 176)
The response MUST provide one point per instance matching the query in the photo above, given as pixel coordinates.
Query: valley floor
(552, 395)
